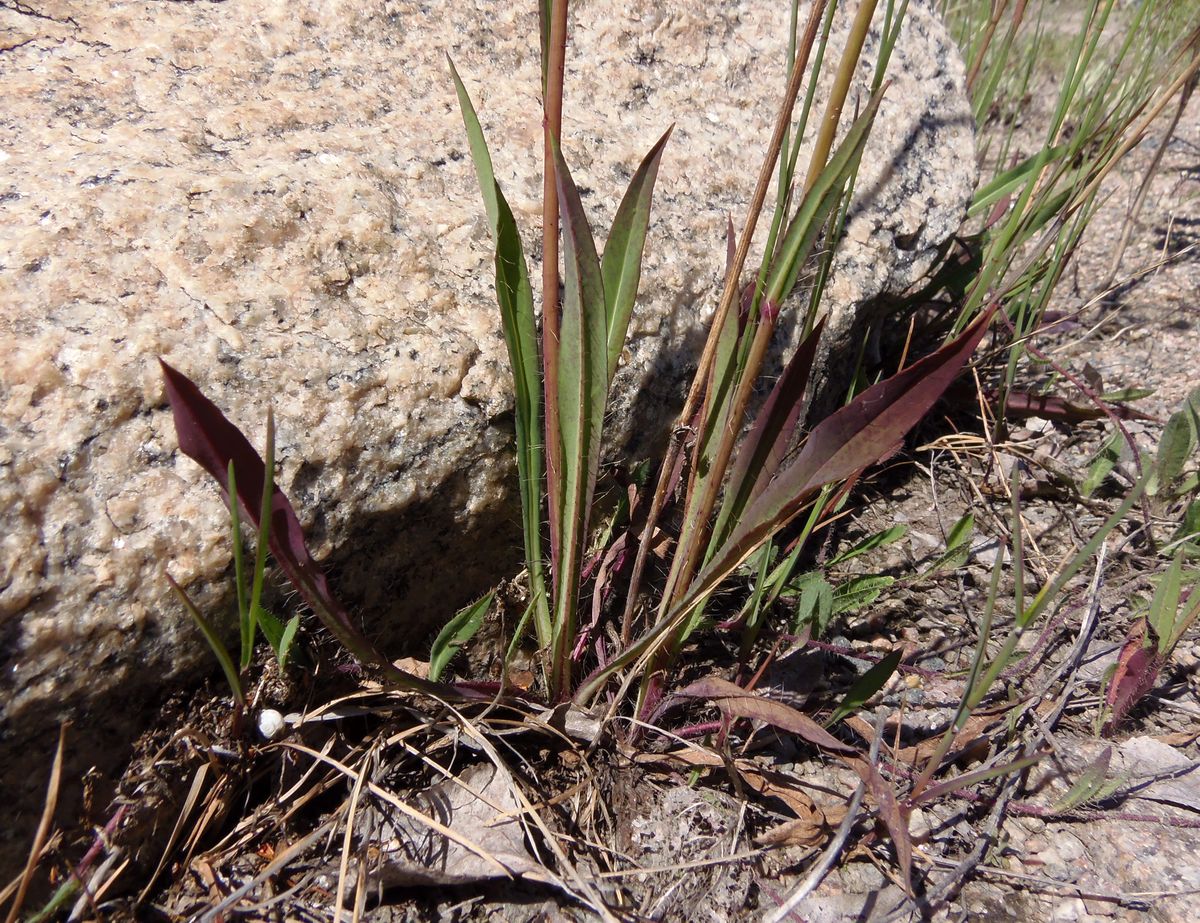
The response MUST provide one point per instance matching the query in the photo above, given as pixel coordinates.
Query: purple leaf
(892, 813)
(208, 437)
(736, 702)
(864, 432)
(1136, 674)
(1021, 404)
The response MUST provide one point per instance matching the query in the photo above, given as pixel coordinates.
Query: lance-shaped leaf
(892, 813)
(622, 264)
(763, 449)
(582, 392)
(736, 702)
(214, 442)
(1093, 784)
(1021, 404)
(515, 297)
(867, 430)
(864, 432)
(866, 686)
(456, 633)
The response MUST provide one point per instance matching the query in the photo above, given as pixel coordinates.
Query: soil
(596, 822)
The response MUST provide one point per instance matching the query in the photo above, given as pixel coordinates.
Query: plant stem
(841, 88)
(552, 134)
(728, 298)
(693, 553)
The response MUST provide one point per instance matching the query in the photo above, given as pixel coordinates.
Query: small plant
(734, 497)
(252, 617)
(739, 491)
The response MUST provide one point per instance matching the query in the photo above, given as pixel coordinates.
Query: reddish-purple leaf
(1021, 404)
(998, 211)
(1136, 674)
(207, 436)
(892, 813)
(760, 454)
(736, 702)
(864, 432)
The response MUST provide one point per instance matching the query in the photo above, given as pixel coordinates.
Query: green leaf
(622, 264)
(814, 605)
(858, 592)
(868, 684)
(958, 546)
(1165, 605)
(515, 297)
(1125, 395)
(214, 640)
(479, 151)
(1189, 528)
(239, 566)
(871, 542)
(1102, 464)
(286, 642)
(1011, 180)
(457, 632)
(264, 534)
(1092, 785)
(582, 393)
(270, 626)
(1174, 449)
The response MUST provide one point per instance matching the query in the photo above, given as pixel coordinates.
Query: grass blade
(213, 637)
(622, 263)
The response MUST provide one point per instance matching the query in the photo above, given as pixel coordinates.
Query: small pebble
(270, 723)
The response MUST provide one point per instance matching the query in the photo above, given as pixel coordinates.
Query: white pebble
(270, 723)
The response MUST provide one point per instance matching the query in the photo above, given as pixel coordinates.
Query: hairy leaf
(958, 546)
(871, 542)
(1136, 673)
(814, 604)
(859, 591)
(1165, 605)
(1102, 464)
(1091, 784)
